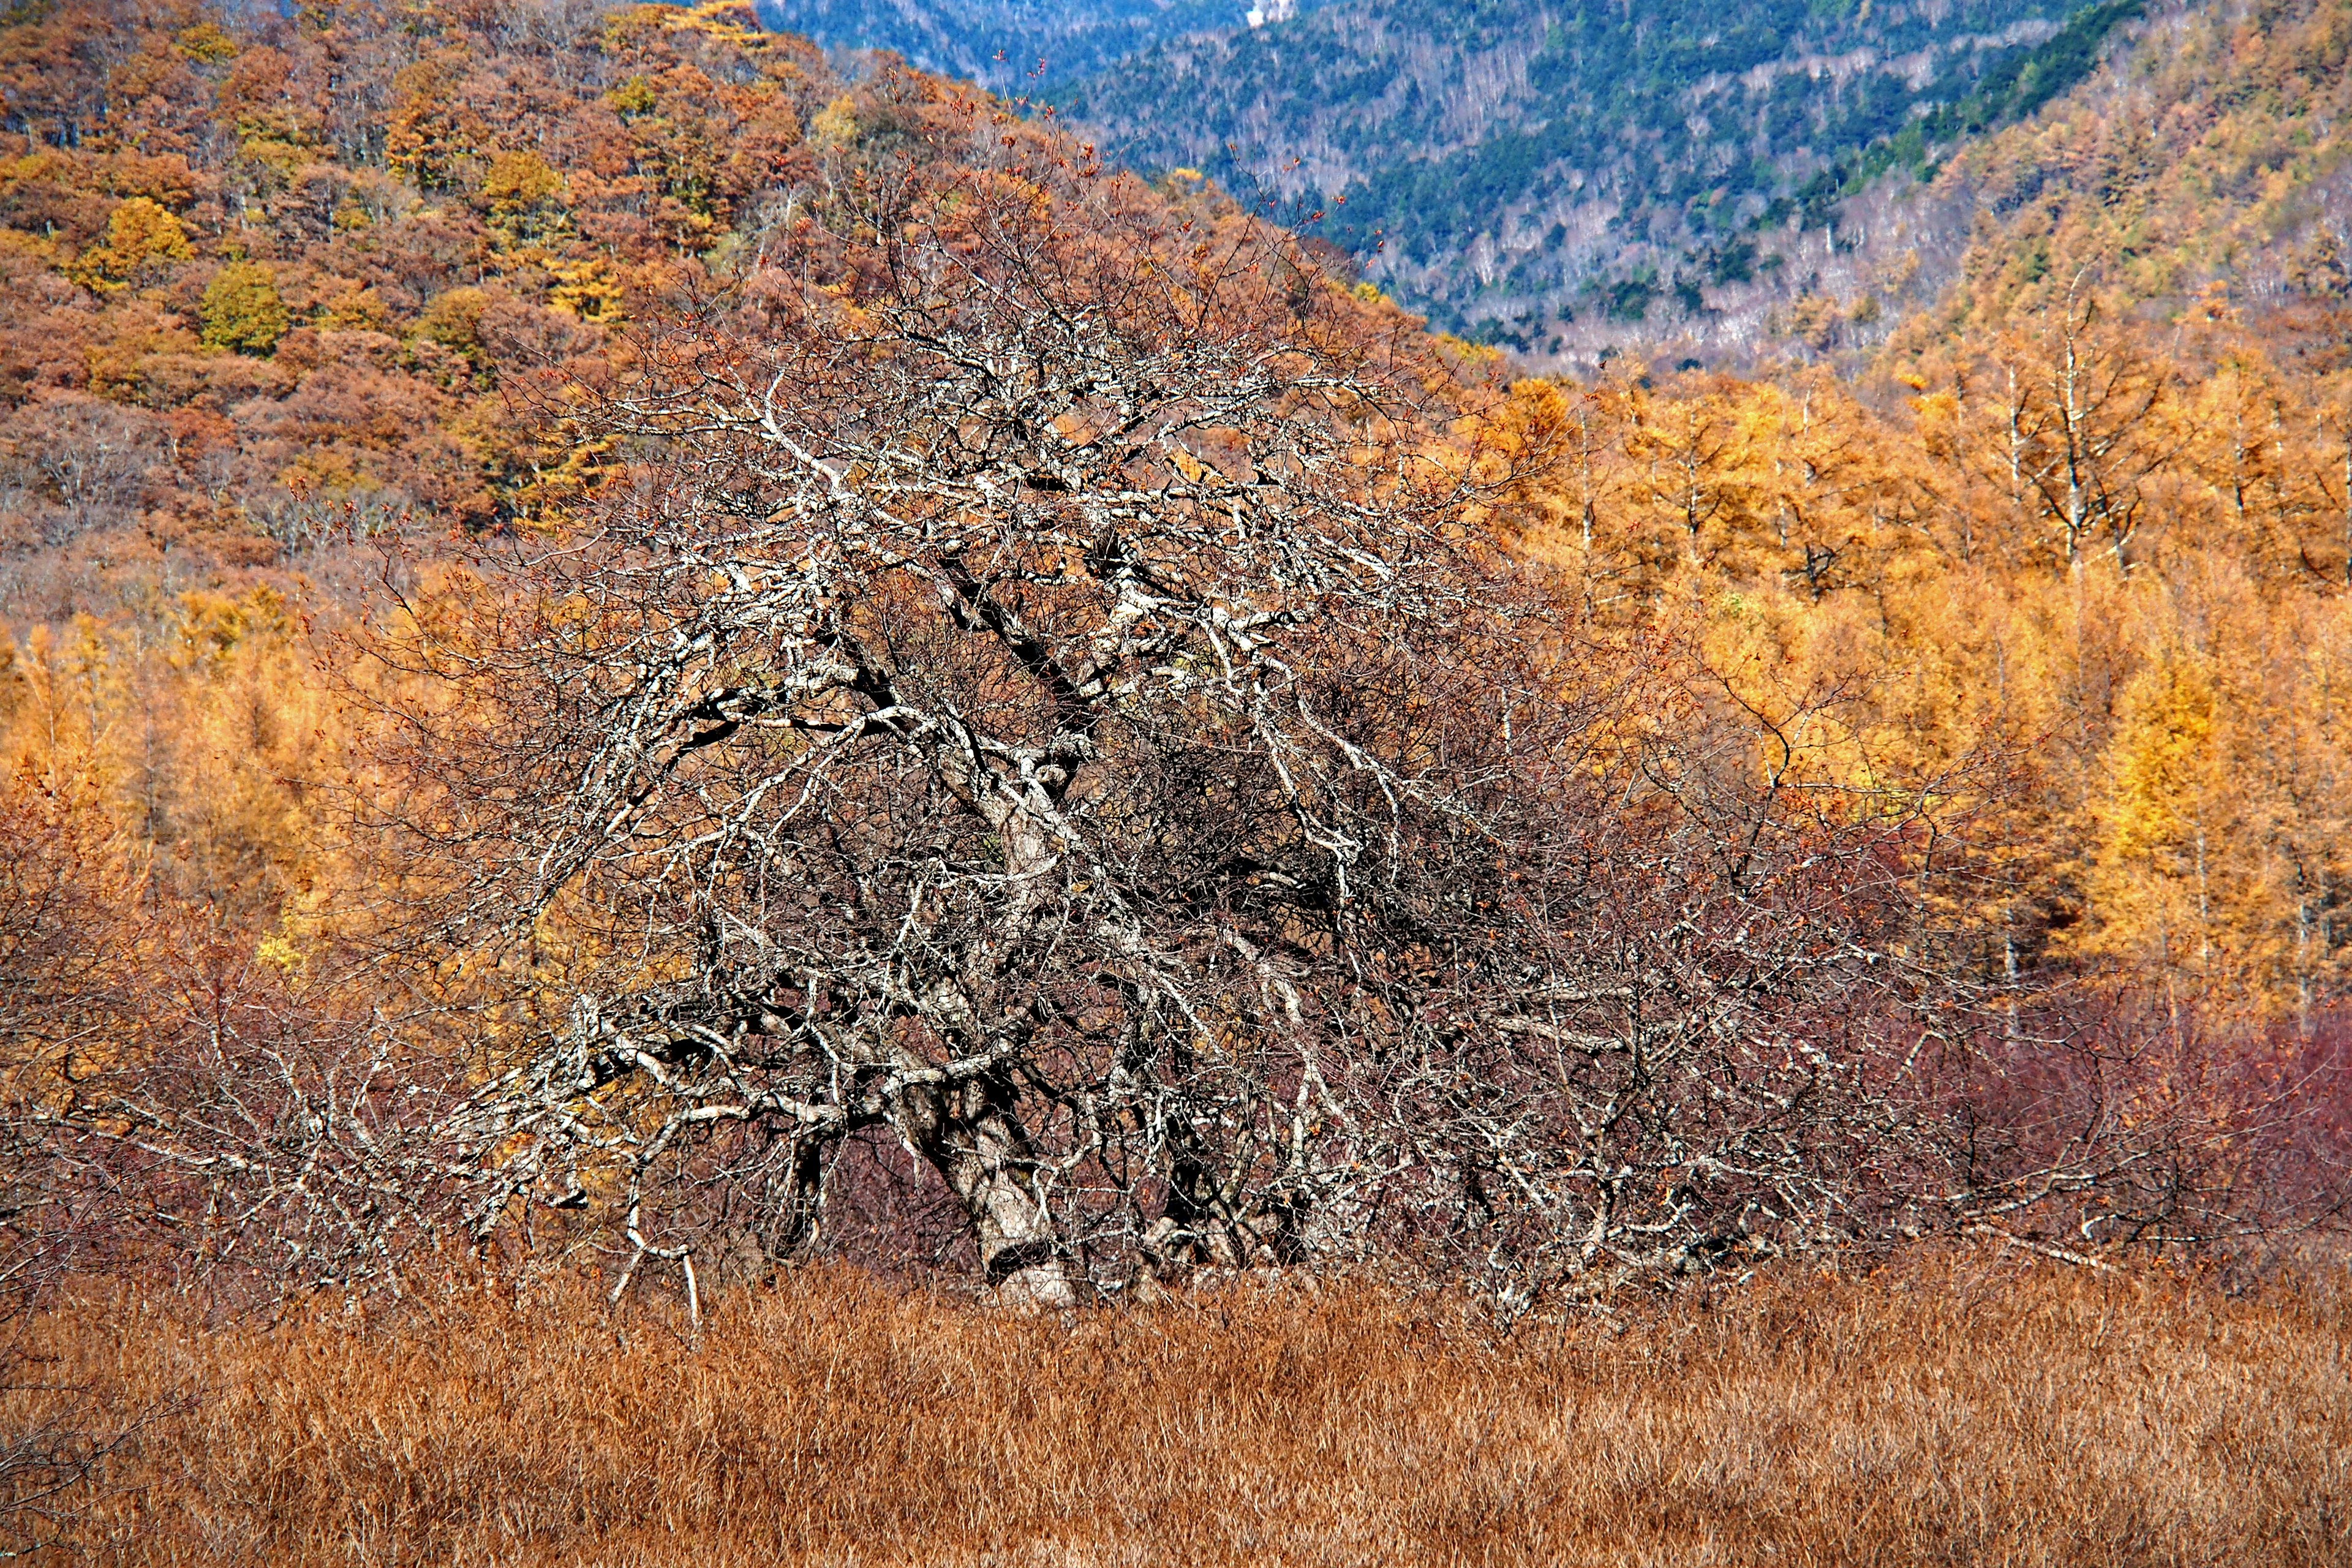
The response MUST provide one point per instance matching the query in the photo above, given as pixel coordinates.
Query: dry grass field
(1959, 1411)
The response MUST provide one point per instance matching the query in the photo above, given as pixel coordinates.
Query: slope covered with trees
(1008, 45)
(2212, 154)
(1527, 167)
(2199, 169)
(256, 291)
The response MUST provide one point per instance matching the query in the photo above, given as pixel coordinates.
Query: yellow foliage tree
(432, 137)
(242, 310)
(2152, 882)
(142, 238)
(524, 195)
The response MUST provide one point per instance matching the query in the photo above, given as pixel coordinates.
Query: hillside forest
(1591, 161)
(1008, 46)
(640, 663)
(1572, 182)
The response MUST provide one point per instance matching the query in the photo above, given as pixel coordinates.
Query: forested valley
(748, 813)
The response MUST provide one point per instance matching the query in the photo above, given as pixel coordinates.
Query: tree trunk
(971, 1137)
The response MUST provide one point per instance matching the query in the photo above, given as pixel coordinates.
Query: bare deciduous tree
(2080, 407)
(1049, 688)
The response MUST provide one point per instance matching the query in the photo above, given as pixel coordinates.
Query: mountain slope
(1004, 44)
(2218, 151)
(1513, 168)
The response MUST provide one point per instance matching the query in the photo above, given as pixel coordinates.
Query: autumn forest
(748, 813)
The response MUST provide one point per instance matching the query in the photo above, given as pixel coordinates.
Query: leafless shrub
(175, 1101)
(57, 893)
(2090, 1124)
(301, 521)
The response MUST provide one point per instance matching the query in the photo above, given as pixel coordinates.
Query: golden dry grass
(1952, 1412)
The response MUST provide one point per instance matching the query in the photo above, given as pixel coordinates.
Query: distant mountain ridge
(1513, 169)
(1693, 186)
(1006, 45)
